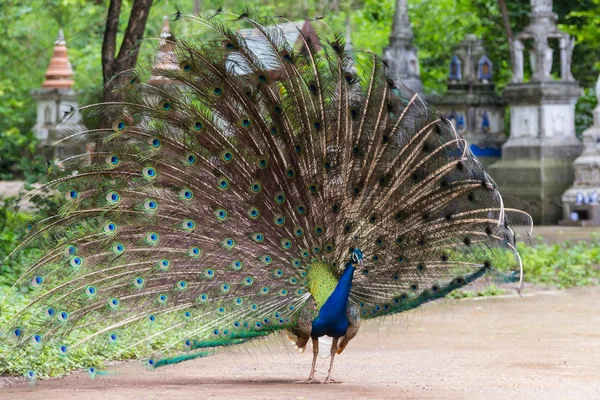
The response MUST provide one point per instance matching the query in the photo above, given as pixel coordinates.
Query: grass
(566, 265)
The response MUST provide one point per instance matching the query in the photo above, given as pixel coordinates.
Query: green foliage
(584, 111)
(564, 266)
(491, 290)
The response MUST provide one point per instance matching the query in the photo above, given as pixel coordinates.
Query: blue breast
(332, 319)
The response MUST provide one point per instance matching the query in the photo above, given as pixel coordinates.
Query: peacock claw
(331, 380)
(310, 380)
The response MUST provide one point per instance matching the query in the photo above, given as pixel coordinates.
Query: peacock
(257, 178)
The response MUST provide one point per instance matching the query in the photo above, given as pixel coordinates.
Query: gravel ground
(545, 345)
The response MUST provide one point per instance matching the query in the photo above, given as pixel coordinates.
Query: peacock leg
(334, 345)
(311, 377)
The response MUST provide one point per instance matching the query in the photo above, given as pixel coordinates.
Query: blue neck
(332, 320)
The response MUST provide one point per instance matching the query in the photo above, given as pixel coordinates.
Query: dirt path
(546, 346)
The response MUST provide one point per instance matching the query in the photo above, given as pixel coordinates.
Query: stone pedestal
(580, 201)
(536, 164)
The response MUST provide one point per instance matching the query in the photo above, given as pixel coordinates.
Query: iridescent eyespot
(258, 237)
(198, 126)
(228, 243)
(76, 262)
(223, 184)
(253, 213)
(255, 187)
(90, 291)
(113, 197)
(209, 273)
(186, 194)
(119, 126)
(70, 250)
(296, 263)
(298, 231)
(278, 273)
(37, 281)
(17, 332)
(248, 281)
(36, 339)
(71, 194)
(203, 297)
(290, 172)
(166, 105)
(113, 160)
(279, 220)
(262, 163)
(279, 198)
(114, 303)
(238, 301)
(154, 142)
(138, 282)
(225, 288)
(110, 227)
(221, 214)
(181, 285)
(63, 316)
(112, 337)
(164, 264)
(50, 312)
(194, 251)
(63, 349)
(150, 205)
(227, 156)
(152, 238)
(266, 259)
(218, 91)
(283, 292)
(264, 290)
(246, 122)
(162, 298)
(190, 159)
(149, 173)
(188, 224)
(301, 210)
(236, 265)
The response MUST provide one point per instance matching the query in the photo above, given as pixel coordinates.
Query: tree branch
(128, 53)
(109, 44)
(506, 21)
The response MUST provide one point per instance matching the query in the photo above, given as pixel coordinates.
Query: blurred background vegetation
(30, 27)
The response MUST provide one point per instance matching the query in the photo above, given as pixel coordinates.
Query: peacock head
(357, 256)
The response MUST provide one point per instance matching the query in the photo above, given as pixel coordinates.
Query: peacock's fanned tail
(193, 223)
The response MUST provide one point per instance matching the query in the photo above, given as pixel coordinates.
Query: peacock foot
(310, 380)
(331, 380)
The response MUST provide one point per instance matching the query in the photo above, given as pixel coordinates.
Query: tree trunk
(113, 65)
(197, 6)
(506, 21)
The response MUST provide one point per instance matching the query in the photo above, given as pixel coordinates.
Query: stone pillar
(580, 201)
(536, 164)
(401, 55)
